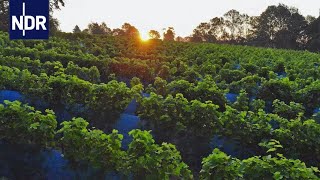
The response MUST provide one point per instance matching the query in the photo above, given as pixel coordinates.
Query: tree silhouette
(56, 4)
(130, 31)
(180, 39)
(95, 28)
(4, 15)
(310, 19)
(236, 25)
(217, 27)
(76, 29)
(313, 32)
(280, 26)
(153, 34)
(203, 32)
(54, 25)
(117, 32)
(169, 34)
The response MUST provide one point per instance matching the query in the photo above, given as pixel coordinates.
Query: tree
(130, 31)
(54, 25)
(180, 39)
(76, 29)
(95, 28)
(313, 33)
(236, 24)
(233, 27)
(253, 26)
(56, 4)
(217, 27)
(292, 37)
(169, 34)
(4, 15)
(310, 19)
(280, 26)
(203, 32)
(117, 32)
(153, 34)
(196, 36)
(232, 19)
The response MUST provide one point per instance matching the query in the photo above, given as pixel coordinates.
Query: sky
(183, 15)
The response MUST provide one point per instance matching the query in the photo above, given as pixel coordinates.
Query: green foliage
(281, 89)
(242, 125)
(242, 103)
(204, 90)
(172, 115)
(220, 166)
(268, 167)
(187, 83)
(144, 159)
(300, 139)
(231, 75)
(291, 111)
(310, 95)
(80, 144)
(22, 124)
(160, 86)
(91, 74)
(181, 86)
(148, 160)
(257, 104)
(272, 146)
(135, 81)
(248, 83)
(112, 97)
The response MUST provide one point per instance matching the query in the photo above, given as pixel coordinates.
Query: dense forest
(210, 110)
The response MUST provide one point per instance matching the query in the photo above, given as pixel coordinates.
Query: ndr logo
(29, 19)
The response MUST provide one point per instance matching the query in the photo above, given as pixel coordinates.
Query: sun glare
(144, 37)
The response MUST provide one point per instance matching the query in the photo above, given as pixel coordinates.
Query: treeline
(126, 30)
(277, 27)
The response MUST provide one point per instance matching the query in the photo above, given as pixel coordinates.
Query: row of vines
(274, 116)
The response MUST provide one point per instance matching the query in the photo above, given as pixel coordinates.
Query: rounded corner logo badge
(29, 19)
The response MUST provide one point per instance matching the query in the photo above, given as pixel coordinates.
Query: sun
(144, 37)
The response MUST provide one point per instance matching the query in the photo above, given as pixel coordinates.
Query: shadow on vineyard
(51, 164)
(29, 162)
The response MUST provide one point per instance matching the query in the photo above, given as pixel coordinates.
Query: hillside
(233, 112)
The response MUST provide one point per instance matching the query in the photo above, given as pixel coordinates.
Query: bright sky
(183, 15)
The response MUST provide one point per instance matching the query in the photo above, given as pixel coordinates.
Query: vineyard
(113, 106)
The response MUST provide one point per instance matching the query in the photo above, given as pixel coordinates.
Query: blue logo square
(29, 19)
